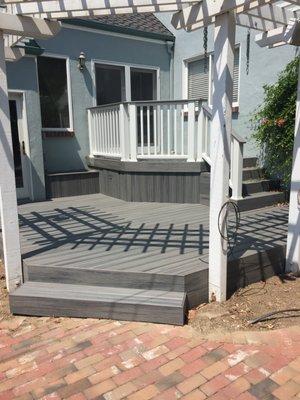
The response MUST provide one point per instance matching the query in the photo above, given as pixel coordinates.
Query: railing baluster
(161, 130)
(168, 131)
(133, 131)
(155, 122)
(191, 131)
(175, 129)
(142, 129)
(182, 129)
(148, 131)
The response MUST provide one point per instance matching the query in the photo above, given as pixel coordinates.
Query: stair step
(112, 274)
(250, 162)
(259, 185)
(260, 200)
(252, 173)
(65, 300)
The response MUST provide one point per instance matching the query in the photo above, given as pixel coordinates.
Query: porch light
(81, 61)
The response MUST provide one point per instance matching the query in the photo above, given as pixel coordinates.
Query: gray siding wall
(265, 65)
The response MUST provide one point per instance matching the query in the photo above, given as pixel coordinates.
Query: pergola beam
(273, 13)
(13, 53)
(284, 35)
(28, 26)
(245, 20)
(206, 10)
(77, 8)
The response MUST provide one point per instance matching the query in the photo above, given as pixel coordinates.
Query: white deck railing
(160, 130)
(151, 129)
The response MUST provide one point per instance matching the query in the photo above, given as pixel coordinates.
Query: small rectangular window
(110, 84)
(53, 87)
(198, 77)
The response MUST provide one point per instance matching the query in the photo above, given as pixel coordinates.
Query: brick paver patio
(96, 359)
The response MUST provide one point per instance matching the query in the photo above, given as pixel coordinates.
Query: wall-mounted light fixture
(81, 61)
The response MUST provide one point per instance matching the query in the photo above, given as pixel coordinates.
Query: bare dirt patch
(277, 293)
(4, 309)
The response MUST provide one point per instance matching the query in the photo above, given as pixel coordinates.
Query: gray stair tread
(251, 168)
(263, 194)
(100, 294)
(261, 180)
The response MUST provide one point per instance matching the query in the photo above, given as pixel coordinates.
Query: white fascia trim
(116, 34)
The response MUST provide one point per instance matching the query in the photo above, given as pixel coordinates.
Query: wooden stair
(65, 300)
(110, 292)
(258, 191)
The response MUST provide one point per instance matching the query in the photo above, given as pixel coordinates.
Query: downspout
(170, 50)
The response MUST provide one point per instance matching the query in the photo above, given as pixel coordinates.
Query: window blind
(198, 77)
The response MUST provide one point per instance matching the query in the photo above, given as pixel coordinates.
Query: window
(54, 96)
(143, 84)
(119, 83)
(199, 75)
(110, 84)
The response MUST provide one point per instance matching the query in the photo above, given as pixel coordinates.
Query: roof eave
(118, 29)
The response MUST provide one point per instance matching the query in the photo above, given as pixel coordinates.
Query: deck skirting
(148, 181)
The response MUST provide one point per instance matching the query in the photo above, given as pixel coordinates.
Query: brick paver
(47, 358)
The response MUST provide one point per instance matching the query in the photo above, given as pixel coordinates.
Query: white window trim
(199, 57)
(127, 68)
(70, 102)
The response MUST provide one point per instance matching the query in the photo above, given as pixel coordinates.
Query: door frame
(20, 97)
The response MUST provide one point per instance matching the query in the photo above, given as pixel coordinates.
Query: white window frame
(127, 68)
(69, 88)
(185, 69)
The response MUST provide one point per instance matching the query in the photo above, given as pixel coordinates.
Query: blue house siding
(50, 155)
(265, 65)
(68, 154)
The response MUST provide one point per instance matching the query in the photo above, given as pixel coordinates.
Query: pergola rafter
(263, 15)
(90, 8)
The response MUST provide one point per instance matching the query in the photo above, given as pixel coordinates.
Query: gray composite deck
(97, 231)
(138, 251)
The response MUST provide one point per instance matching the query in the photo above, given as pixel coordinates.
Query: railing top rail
(147, 102)
(207, 110)
(236, 136)
(111, 105)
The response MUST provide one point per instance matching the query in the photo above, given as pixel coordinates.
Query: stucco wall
(265, 65)
(68, 154)
(21, 75)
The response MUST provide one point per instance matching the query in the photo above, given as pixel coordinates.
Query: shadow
(88, 228)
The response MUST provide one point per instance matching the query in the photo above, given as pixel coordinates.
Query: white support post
(123, 133)
(293, 240)
(200, 133)
(191, 131)
(221, 127)
(236, 174)
(133, 131)
(91, 132)
(8, 198)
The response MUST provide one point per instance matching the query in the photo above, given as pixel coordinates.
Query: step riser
(258, 187)
(105, 278)
(194, 284)
(248, 204)
(25, 305)
(250, 162)
(256, 173)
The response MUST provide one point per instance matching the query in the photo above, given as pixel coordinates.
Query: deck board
(97, 231)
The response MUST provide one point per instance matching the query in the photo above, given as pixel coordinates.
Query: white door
(21, 156)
